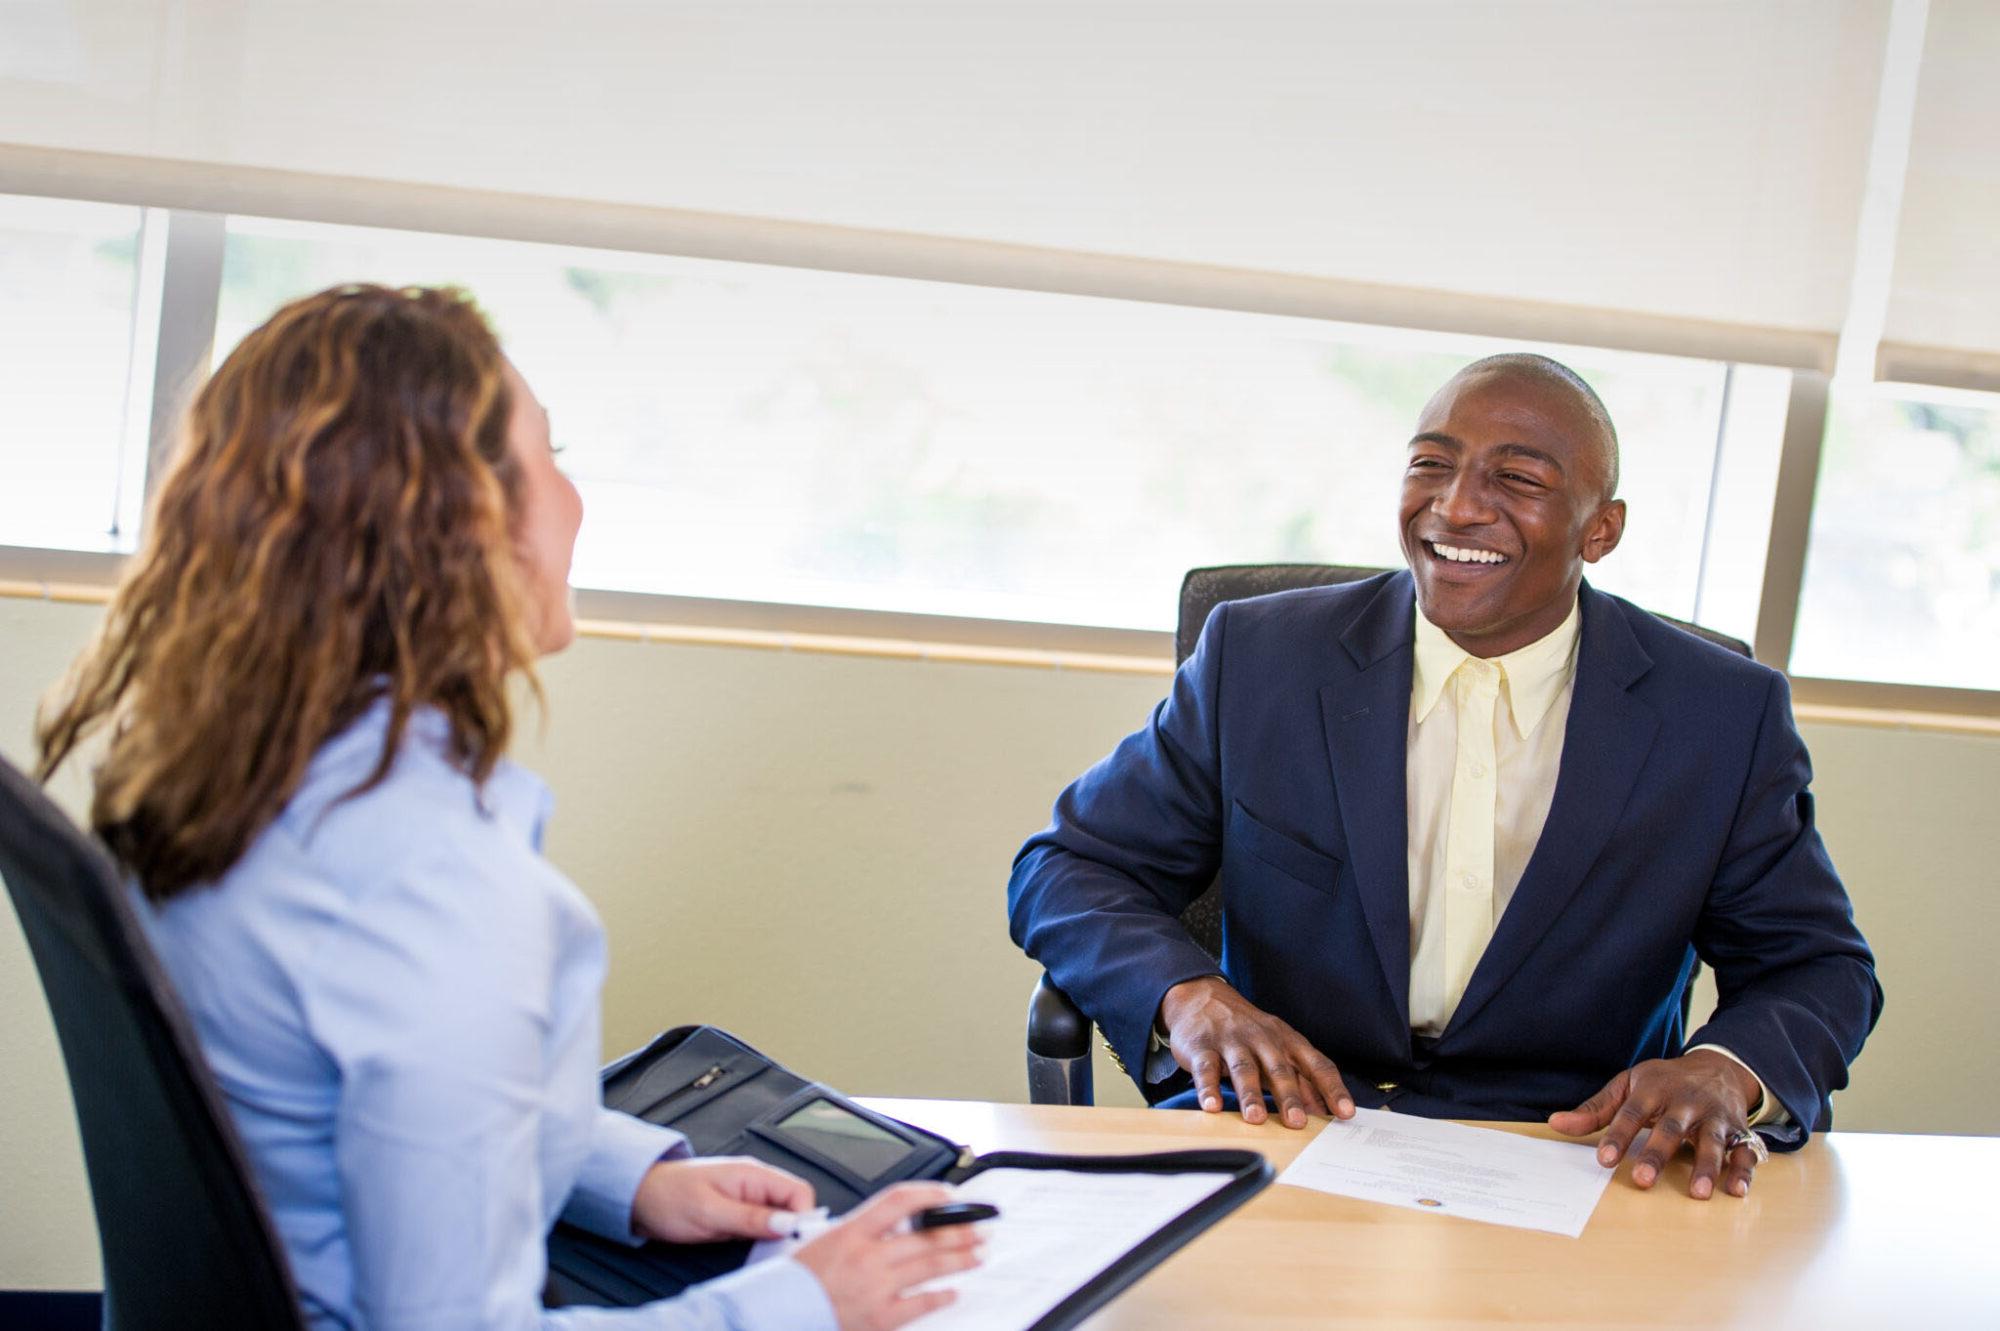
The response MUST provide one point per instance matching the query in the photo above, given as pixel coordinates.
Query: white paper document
(1451, 1169)
(1057, 1229)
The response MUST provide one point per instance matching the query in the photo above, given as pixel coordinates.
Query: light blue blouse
(399, 997)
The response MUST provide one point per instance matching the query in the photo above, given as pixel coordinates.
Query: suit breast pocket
(1280, 850)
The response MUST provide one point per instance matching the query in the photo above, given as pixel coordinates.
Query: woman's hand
(719, 1197)
(867, 1261)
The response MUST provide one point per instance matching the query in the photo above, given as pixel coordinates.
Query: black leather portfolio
(731, 1100)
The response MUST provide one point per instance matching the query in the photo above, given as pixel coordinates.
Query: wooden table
(1857, 1229)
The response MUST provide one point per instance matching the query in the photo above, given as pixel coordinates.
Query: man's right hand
(1212, 1029)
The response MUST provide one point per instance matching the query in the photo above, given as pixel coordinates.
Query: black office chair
(1059, 1071)
(185, 1238)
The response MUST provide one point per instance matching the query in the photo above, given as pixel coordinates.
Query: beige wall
(812, 850)
(46, 1235)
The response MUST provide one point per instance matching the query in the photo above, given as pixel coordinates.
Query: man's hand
(1212, 1028)
(719, 1197)
(1701, 1098)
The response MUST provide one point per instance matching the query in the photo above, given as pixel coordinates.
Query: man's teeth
(1458, 555)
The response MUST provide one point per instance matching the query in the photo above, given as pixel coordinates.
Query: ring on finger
(1759, 1152)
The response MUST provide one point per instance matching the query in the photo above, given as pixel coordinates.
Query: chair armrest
(1059, 1070)
(1056, 1028)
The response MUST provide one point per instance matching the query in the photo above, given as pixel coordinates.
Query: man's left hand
(1700, 1098)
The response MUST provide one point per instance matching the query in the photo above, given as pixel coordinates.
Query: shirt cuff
(1766, 1110)
(622, 1149)
(775, 1293)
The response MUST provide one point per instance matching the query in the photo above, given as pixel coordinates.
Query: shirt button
(1471, 880)
(1479, 769)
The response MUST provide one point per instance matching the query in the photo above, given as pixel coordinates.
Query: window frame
(1784, 577)
(198, 201)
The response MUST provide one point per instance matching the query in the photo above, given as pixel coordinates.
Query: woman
(305, 677)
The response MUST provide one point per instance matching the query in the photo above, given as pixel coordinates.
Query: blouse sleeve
(622, 1149)
(438, 1123)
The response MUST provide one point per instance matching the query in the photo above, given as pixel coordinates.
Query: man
(1472, 825)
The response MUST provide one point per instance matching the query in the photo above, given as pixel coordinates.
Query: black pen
(953, 1213)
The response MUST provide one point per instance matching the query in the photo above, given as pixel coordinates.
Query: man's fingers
(1711, 1142)
(1595, 1112)
(1675, 1102)
(1326, 1077)
(1284, 1079)
(1243, 1076)
(1633, 1117)
(1216, 1032)
(1742, 1164)
(1672, 1128)
(1663, 1143)
(1310, 1097)
(1206, 1065)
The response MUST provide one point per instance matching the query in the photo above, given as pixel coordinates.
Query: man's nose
(1463, 503)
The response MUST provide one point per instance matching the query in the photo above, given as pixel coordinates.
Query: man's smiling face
(1506, 496)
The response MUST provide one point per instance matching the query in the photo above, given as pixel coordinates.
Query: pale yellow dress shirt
(1485, 747)
(1485, 744)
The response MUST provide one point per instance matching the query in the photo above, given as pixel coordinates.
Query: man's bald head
(1507, 495)
(1553, 374)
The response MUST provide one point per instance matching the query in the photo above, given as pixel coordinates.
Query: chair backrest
(186, 1240)
(1205, 588)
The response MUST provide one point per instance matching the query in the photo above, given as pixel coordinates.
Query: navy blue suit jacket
(1681, 827)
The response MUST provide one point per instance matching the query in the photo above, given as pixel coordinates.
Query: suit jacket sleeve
(1096, 896)
(1795, 980)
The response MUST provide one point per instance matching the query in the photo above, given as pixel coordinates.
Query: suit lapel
(1610, 732)
(1366, 718)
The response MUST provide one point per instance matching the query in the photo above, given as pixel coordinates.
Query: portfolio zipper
(701, 1083)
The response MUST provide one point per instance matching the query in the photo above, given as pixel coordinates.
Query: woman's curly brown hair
(335, 528)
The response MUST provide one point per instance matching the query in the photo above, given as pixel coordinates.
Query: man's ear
(1601, 537)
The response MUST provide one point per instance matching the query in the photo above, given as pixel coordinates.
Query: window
(752, 432)
(75, 373)
(1902, 577)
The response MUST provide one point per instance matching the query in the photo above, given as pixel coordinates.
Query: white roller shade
(1943, 323)
(1675, 174)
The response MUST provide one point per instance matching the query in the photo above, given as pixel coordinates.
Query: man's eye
(1523, 479)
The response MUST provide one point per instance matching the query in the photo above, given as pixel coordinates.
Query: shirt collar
(512, 794)
(1535, 675)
